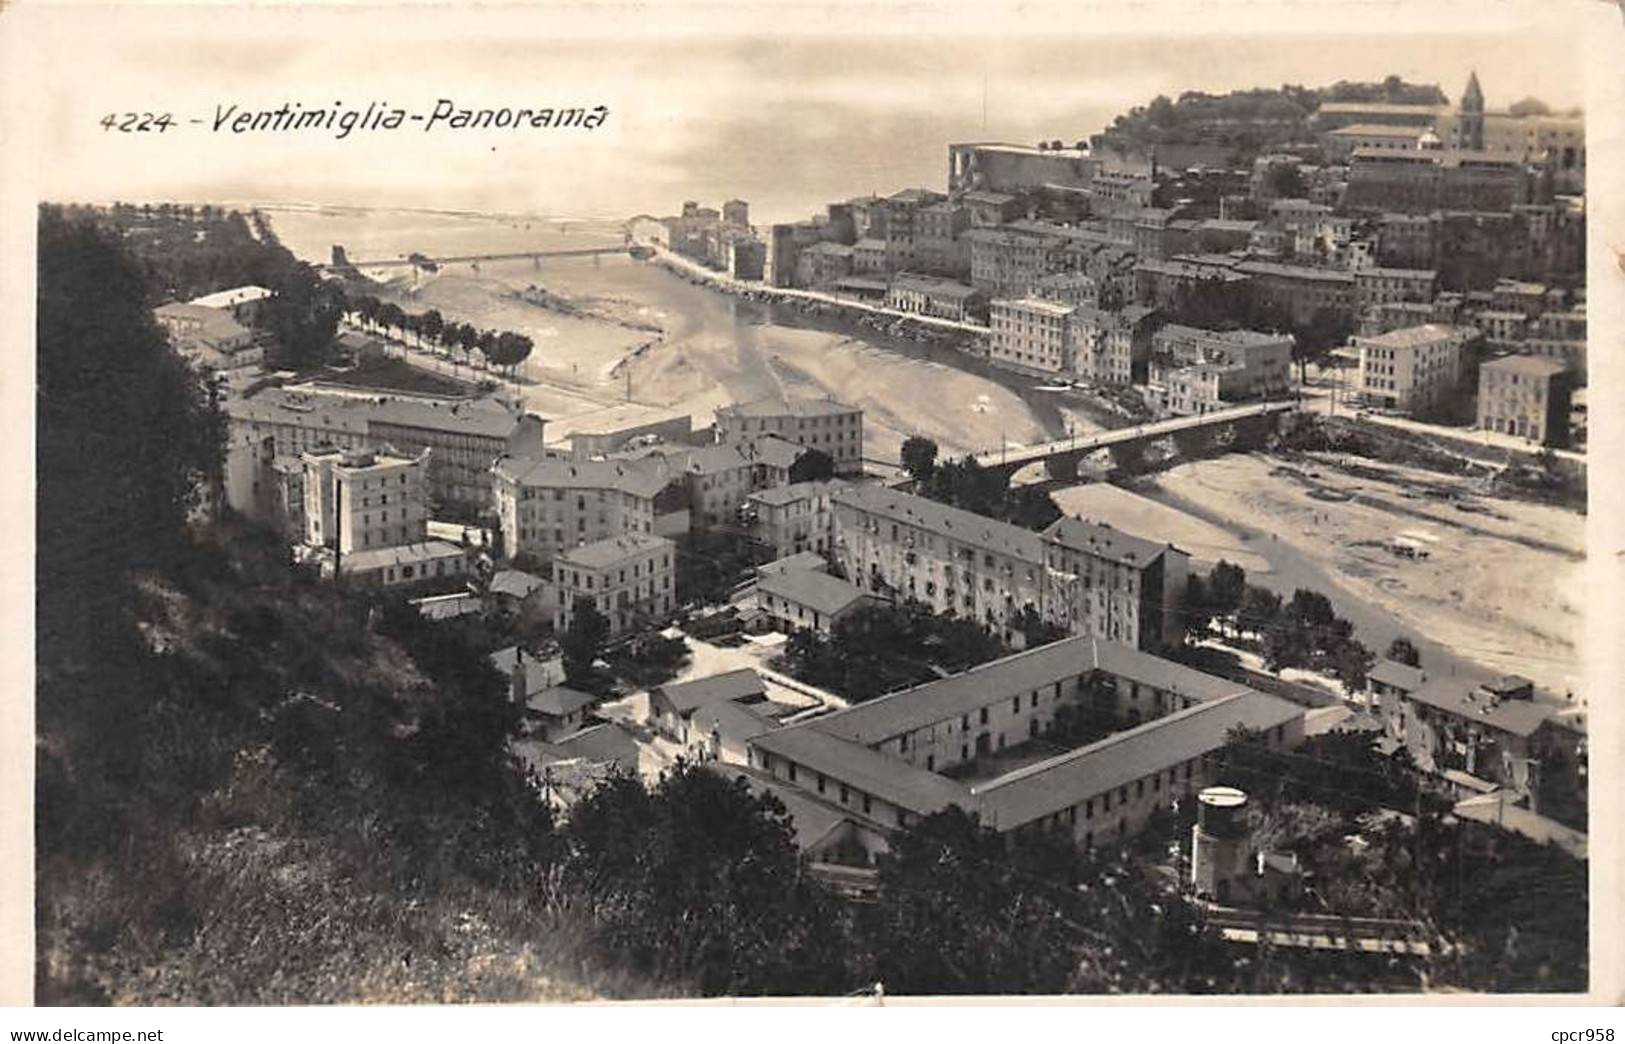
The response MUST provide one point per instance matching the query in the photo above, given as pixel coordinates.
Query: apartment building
(1194, 370)
(546, 507)
(357, 499)
(1525, 396)
(210, 338)
(465, 437)
(1006, 263)
(823, 424)
(628, 578)
(1112, 347)
(1415, 369)
(1377, 286)
(1088, 578)
(937, 246)
(1030, 335)
(1301, 290)
(794, 518)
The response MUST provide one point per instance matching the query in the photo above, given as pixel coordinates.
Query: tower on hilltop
(1470, 124)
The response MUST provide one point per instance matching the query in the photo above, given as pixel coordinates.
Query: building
(987, 208)
(938, 249)
(1112, 347)
(794, 518)
(465, 437)
(1300, 290)
(869, 257)
(1556, 142)
(1086, 578)
(546, 507)
(210, 338)
(1416, 369)
(615, 428)
(823, 263)
(718, 478)
(672, 705)
(628, 578)
(736, 212)
(1376, 286)
(1331, 116)
(933, 296)
(1007, 262)
(428, 564)
(1525, 396)
(358, 499)
(745, 258)
(1163, 284)
(807, 599)
(1030, 335)
(1561, 335)
(1430, 179)
(244, 303)
(784, 245)
(823, 424)
(1194, 371)
(995, 167)
(1341, 143)
(1497, 734)
(904, 211)
(883, 762)
(1068, 288)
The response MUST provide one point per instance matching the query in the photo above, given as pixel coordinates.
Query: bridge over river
(1191, 434)
(341, 260)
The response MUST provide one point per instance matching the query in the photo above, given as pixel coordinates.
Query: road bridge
(1192, 435)
(418, 260)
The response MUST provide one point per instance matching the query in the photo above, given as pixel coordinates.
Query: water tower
(1219, 844)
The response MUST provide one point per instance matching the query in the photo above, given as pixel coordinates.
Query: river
(651, 337)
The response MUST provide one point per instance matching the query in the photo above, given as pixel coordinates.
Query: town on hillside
(1262, 655)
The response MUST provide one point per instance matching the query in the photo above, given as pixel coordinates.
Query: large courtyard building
(822, 424)
(1085, 577)
(997, 167)
(982, 741)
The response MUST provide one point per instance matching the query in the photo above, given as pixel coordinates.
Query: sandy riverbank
(1502, 586)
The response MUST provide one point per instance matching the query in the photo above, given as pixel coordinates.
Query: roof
(1455, 697)
(870, 243)
(446, 607)
(731, 721)
(1103, 541)
(813, 818)
(1229, 338)
(1399, 675)
(1062, 781)
(1324, 275)
(986, 533)
(775, 406)
(932, 285)
(690, 695)
(1034, 304)
(514, 583)
(997, 199)
(1189, 269)
(913, 195)
(908, 709)
(1383, 108)
(834, 249)
(1374, 130)
(627, 476)
(235, 296)
(607, 552)
(404, 555)
(557, 701)
(1024, 150)
(890, 779)
(801, 561)
(817, 591)
(1413, 336)
(213, 324)
(1526, 365)
(794, 491)
(479, 417)
(607, 742)
(1396, 273)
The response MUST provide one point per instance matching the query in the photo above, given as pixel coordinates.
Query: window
(792, 772)
(984, 715)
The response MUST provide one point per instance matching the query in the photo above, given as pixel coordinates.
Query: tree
(812, 465)
(1285, 181)
(583, 641)
(1402, 650)
(431, 324)
(919, 457)
(391, 317)
(1227, 586)
(1530, 106)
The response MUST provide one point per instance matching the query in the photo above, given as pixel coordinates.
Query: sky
(784, 106)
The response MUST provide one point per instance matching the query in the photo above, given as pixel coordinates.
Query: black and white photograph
(850, 502)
